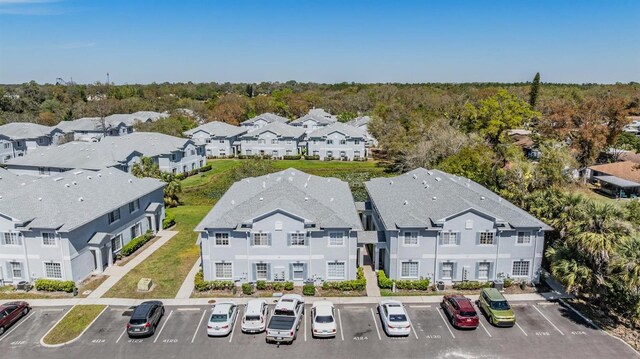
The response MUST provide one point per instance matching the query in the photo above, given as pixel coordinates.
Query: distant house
(337, 141)
(522, 138)
(173, 154)
(263, 120)
(362, 123)
(218, 138)
(634, 126)
(74, 224)
(286, 226)
(19, 137)
(618, 179)
(91, 129)
(447, 228)
(275, 139)
(321, 112)
(315, 119)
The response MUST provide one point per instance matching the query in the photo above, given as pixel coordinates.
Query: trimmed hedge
(168, 221)
(52, 285)
(508, 282)
(276, 286)
(312, 158)
(135, 244)
(202, 285)
(385, 283)
(247, 288)
(360, 283)
(471, 285)
(205, 168)
(181, 176)
(309, 290)
(293, 157)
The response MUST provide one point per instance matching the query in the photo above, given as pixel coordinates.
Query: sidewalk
(116, 273)
(558, 290)
(372, 282)
(187, 286)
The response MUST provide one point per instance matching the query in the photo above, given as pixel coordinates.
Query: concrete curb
(74, 339)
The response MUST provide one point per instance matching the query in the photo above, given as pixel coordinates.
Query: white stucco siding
(337, 145)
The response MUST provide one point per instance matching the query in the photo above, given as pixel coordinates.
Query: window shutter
(454, 273)
(458, 238)
(478, 238)
(439, 274)
(440, 238)
(268, 271)
(304, 271)
(491, 265)
(269, 238)
(477, 270)
(251, 243)
(290, 271)
(289, 239)
(307, 238)
(255, 271)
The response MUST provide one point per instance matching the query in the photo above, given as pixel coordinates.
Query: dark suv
(145, 319)
(460, 311)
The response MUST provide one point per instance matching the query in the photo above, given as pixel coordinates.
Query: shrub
(508, 282)
(471, 285)
(360, 283)
(277, 286)
(135, 244)
(261, 285)
(309, 290)
(52, 285)
(288, 285)
(205, 168)
(385, 283)
(168, 221)
(192, 173)
(293, 157)
(247, 288)
(202, 285)
(181, 176)
(312, 158)
(242, 157)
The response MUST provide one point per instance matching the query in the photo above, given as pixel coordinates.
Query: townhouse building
(263, 120)
(435, 225)
(92, 129)
(337, 141)
(71, 225)
(362, 123)
(313, 121)
(17, 138)
(218, 138)
(285, 226)
(172, 154)
(275, 139)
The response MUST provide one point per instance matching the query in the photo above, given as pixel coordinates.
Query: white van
(255, 316)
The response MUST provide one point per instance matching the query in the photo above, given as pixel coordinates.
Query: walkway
(187, 286)
(116, 273)
(370, 276)
(558, 290)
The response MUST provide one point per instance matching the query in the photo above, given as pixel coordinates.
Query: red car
(11, 312)
(460, 311)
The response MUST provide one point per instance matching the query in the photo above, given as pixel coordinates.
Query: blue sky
(321, 41)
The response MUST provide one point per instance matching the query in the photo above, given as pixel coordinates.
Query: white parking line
(305, 327)
(121, 334)
(204, 312)
(483, 327)
(188, 309)
(446, 324)
(376, 324)
(340, 322)
(523, 332)
(17, 325)
(234, 325)
(550, 322)
(419, 306)
(414, 331)
(163, 324)
(52, 310)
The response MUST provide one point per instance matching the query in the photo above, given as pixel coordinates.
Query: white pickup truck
(285, 319)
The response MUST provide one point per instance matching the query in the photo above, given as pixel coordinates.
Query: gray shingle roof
(107, 153)
(421, 198)
(280, 129)
(23, 130)
(218, 129)
(317, 118)
(359, 121)
(81, 124)
(95, 123)
(346, 130)
(327, 202)
(617, 181)
(9, 179)
(268, 117)
(73, 198)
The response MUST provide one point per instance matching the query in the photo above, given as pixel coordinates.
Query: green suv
(496, 308)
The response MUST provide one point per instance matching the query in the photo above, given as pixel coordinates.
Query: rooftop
(280, 129)
(95, 123)
(626, 170)
(348, 131)
(218, 129)
(23, 130)
(267, 117)
(359, 121)
(315, 117)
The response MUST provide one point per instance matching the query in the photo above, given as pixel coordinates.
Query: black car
(145, 319)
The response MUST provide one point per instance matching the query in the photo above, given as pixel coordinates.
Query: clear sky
(321, 41)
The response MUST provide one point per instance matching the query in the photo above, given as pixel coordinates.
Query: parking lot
(543, 330)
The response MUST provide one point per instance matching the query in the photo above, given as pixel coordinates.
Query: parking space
(27, 332)
(109, 328)
(565, 321)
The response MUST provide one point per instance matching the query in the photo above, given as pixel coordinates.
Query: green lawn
(72, 325)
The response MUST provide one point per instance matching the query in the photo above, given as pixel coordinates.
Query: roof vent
(233, 201)
(415, 176)
(424, 182)
(390, 181)
(306, 199)
(405, 202)
(75, 183)
(130, 180)
(99, 174)
(264, 184)
(306, 184)
(309, 178)
(80, 199)
(40, 199)
(438, 179)
(430, 173)
(261, 199)
(434, 198)
(88, 177)
(482, 198)
(77, 173)
(58, 179)
(67, 185)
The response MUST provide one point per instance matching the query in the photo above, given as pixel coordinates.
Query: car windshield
(283, 312)
(397, 318)
(324, 319)
(500, 305)
(137, 321)
(467, 314)
(218, 318)
(251, 318)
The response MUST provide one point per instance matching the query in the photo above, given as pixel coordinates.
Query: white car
(395, 320)
(323, 319)
(255, 316)
(223, 317)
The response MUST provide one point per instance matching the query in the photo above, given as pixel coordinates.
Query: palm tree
(147, 167)
(626, 263)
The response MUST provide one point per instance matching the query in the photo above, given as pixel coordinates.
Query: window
(192, 152)
(16, 269)
(410, 238)
(447, 270)
(329, 142)
(298, 271)
(356, 154)
(336, 239)
(53, 270)
(48, 239)
(248, 152)
(449, 238)
(7, 145)
(134, 206)
(335, 270)
(356, 142)
(343, 142)
(288, 142)
(173, 157)
(12, 239)
(260, 239)
(44, 171)
(329, 154)
(224, 270)
(520, 269)
(261, 141)
(524, 238)
(261, 271)
(409, 269)
(274, 141)
(136, 230)
(207, 140)
(274, 153)
(222, 239)
(468, 224)
(221, 141)
(114, 216)
(116, 243)
(288, 152)
(486, 237)
(222, 152)
(483, 270)
(297, 239)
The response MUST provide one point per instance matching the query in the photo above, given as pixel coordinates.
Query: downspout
(497, 253)
(535, 250)
(398, 255)
(349, 255)
(435, 259)
(247, 255)
(308, 234)
(26, 256)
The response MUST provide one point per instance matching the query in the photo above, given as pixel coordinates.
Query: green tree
(473, 162)
(147, 167)
(533, 92)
